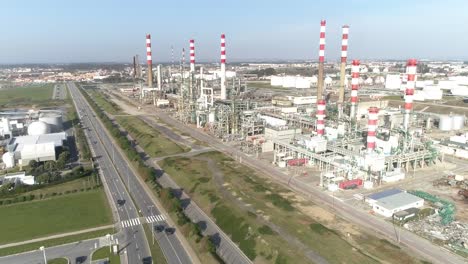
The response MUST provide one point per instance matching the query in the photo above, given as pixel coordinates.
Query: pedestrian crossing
(130, 222)
(136, 221)
(155, 218)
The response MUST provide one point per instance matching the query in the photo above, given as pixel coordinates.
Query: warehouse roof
(383, 194)
(56, 138)
(397, 200)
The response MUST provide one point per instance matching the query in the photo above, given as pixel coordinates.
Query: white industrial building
(33, 147)
(389, 202)
(16, 178)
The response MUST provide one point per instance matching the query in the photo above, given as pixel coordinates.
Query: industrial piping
(354, 88)
(149, 60)
(192, 55)
(410, 84)
(320, 117)
(321, 60)
(223, 67)
(344, 56)
(371, 128)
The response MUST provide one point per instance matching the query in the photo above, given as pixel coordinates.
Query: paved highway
(123, 183)
(419, 245)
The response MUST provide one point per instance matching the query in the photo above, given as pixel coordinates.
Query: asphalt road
(419, 245)
(79, 250)
(123, 184)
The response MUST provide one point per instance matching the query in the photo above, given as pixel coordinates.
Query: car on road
(120, 202)
(80, 259)
(170, 230)
(147, 260)
(159, 228)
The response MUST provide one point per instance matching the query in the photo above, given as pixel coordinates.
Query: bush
(266, 230)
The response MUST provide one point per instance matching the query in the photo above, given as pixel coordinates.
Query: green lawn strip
(55, 242)
(73, 186)
(242, 227)
(152, 141)
(156, 252)
(57, 261)
(26, 95)
(104, 102)
(105, 253)
(57, 215)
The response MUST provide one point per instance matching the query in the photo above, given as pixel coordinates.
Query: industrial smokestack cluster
(149, 60)
(320, 117)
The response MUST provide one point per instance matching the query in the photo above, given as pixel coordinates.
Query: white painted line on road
(159, 218)
(138, 221)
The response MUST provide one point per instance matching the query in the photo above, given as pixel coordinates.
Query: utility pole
(42, 248)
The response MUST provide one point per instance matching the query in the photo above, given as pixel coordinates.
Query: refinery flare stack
(149, 60)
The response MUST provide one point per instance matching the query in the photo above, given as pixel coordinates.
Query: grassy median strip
(105, 253)
(57, 215)
(57, 261)
(55, 242)
(152, 141)
(246, 206)
(156, 252)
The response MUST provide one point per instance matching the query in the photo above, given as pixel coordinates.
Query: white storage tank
(458, 122)
(38, 128)
(445, 123)
(53, 120)
(9, 160)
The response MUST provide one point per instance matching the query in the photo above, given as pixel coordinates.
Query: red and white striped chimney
(320, 117)
(321, 60)
(223, 67)
(149, 60)
(354, 87)
(372, 127)
(192, 55)
(410, 84)
(344, 56)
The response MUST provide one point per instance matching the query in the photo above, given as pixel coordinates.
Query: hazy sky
(34, 31)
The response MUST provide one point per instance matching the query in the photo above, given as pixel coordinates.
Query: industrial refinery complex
(381, 144)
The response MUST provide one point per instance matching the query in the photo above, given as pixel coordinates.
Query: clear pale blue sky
(113, 31)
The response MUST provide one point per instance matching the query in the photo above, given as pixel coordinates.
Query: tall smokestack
(223, 67)
(159, 77)
(320, 117)
(321, 60)
(192, 55)
(354, 88)
(344, 56)
(149, 60)
(411, 74)
(371, 128)
(134, 68)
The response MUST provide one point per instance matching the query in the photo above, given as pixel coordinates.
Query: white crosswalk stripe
(154, 218)
(130, 222)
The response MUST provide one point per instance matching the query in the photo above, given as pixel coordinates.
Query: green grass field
(152, 141)
(26, 95)
(24, 221)
(55, 242)
(104, 253)
(240, 201)
(104, 102)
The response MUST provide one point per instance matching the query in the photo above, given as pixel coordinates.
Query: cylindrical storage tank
(54, 121)
(458, 122)
(38, 128)
(445, 123)
(9, 160)
(428, 123)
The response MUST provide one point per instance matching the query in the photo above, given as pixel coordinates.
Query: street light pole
(43, 253)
